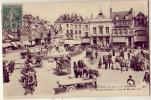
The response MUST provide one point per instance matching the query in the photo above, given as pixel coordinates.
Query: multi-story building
(35, 29)
(140, 29)
(86, 39)
(101, 30)
(72, 27)
(128, 29)
(120, 29)
(122, 32)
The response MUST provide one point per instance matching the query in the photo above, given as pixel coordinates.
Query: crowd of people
(8, 69)
(63, 65)
(110, 60)
(82, 70)
(28, 77)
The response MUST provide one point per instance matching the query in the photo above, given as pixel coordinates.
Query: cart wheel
(90, 85)
(87, 85)
(70, 88)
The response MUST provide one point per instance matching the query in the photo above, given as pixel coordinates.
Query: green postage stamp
(12, 16)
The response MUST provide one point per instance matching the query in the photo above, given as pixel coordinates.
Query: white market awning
(140, 38)
(11, 36)
(119, 39)
(33, 42)
(19, 43)
(4, 45)
(14, 44)
(42, 41)
(72, 42)
(26, 43)
(86, 40)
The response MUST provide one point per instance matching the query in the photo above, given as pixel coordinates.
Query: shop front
(103, 41)
(140, 41)
(120, 41)
(86, 41)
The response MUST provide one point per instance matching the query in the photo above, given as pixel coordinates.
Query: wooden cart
(73, 84)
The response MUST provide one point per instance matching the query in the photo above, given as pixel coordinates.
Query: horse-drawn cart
(63, 66)
(73, 84)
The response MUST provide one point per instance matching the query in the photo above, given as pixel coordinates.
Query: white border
(79, 98)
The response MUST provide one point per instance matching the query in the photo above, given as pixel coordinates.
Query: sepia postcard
(75, 48)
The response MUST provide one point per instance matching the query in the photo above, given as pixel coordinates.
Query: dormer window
(117, 18)
(127, 17)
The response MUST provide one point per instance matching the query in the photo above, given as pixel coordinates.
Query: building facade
(101, 30)
(141, 32)
(122, 32)
(72, 26)
(120, 29)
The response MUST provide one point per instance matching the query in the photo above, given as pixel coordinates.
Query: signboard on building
(86, 40)
(140, 38)
(119, 39)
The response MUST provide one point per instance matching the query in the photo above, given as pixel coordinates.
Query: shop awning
(11, 36)
(119, 39)
(72, 42)
(33, 42)
(26, 43)
(14, 44)
(19, 43)
(42, 41)
(86, 40)
(140, 38)
(4, 45)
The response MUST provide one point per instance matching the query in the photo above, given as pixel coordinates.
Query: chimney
(110, 12)
(91, 16)
(131, 11)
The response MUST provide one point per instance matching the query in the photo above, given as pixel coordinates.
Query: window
(79, 26)
(79, 31)
(71, 25)
(67, 36)
(116, 18)
(100, 38)
(120, 31)
(86, 27)
(76, 31)
(142, 21)
(94, 30)
(130, 31)
(124, 23)
(125, 31)
(107, 40)
(117, 23)
(41, 35)
(80, 37)
(67, 31)
(76, 37)
(86, 34)
(126, 17)
(107, 30)
(115, 31)
(71, 31)
(67, 25)
(129, 22)
(71, 34)
(100, 29)
(76, 26)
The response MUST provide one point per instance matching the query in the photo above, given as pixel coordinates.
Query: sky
(52, 10)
